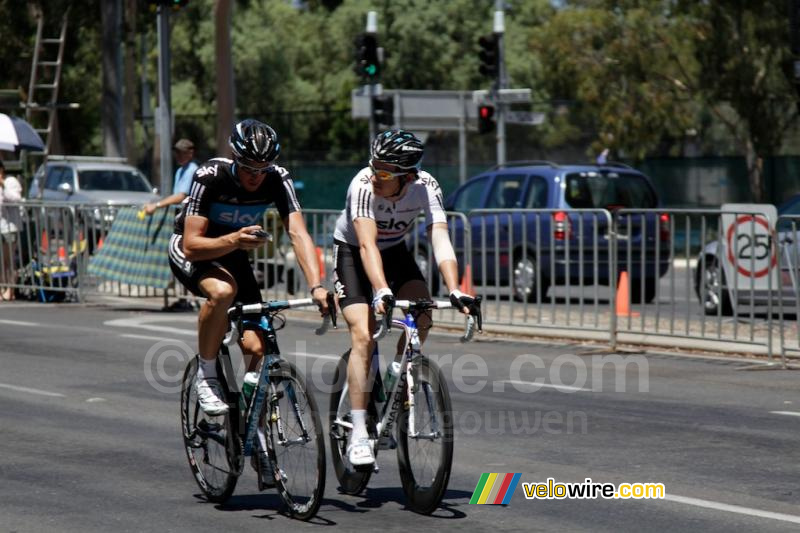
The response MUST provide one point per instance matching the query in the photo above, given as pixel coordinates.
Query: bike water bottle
(392, 373)
(249, 385)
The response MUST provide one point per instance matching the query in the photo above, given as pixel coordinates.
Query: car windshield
(112, 180)
(608, 190)
(792, 207)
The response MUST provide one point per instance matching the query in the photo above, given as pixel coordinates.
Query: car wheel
(711, 288)
(524, 281)
(649, 291)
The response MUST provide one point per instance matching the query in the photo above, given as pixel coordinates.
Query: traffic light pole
(502, 81)
(372, 29)
(164, 116)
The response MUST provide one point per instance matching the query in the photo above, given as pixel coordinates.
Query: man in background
(184, 156)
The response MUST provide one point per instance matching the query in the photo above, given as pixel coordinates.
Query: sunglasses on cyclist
(386, 175)
(254, 170)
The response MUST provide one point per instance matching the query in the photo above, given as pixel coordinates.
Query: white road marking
(95, 400)
(544, 385)
(146, 322)
(20, 323)
(31, 391)
(147, 337)
(315, 355)
(789, 413)
(795, 519)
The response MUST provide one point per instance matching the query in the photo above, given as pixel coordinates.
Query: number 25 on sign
(749, 254)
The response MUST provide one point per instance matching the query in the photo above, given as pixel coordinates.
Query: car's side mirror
(65, 188)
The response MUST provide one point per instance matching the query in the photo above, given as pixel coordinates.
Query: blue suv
(567, 238)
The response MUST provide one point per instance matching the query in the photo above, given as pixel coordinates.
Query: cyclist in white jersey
(373, 263)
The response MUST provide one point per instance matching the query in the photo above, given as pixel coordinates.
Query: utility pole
(502, 80)
(164, 115)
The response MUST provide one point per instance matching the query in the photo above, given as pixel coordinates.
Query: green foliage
(631, 75)
(619, 65)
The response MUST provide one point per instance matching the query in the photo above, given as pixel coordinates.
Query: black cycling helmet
(397, 147)
(252, 140)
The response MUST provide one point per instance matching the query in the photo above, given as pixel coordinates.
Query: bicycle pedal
(263, 468)
(387, 443)
(366, 468)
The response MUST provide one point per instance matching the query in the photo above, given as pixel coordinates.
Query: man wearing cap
(184, 155)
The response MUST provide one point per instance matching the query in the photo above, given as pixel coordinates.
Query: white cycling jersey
(393, 218)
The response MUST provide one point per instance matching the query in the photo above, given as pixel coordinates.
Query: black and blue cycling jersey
(217, 195)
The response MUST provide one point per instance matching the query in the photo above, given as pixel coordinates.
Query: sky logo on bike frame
(495, 489)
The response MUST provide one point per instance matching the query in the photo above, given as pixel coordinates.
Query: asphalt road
(91, 438)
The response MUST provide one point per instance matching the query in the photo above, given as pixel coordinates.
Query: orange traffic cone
(466, 281)
(44, 244)
(623, 296)
(100, 243)
(321, 262)
(62, 253)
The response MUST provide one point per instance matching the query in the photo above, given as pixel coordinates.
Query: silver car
(95, 186)
(715, 293)
(90, 180)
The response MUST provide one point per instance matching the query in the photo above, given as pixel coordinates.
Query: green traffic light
(371, 70)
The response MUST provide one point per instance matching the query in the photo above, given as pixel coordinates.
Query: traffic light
(489, 55)
(485, 118)
(383, 110)
(367, 65)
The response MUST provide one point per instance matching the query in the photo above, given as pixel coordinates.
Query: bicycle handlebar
(475, 315)
(236, 312)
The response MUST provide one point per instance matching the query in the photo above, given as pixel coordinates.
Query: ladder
(45, 80)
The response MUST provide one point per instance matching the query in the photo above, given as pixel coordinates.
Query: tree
(743, 49)
(617, 69)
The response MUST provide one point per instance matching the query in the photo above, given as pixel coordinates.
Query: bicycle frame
(392, 405)
(246, 416)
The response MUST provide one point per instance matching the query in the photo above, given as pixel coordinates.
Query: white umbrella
(16, 134)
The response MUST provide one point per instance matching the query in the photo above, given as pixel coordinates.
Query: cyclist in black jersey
(218, 224)
(373, 263)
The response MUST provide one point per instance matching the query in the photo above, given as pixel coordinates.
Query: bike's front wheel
(295, 441)
(212, 448)
(425, 440)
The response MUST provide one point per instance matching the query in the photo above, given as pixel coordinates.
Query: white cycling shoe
(209, 395)
(359, 452)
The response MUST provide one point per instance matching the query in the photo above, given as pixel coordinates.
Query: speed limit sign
(750, 256)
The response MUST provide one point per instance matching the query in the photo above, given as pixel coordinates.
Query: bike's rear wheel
(213, 450)
(351, 481)
(425, 459)
(295, 441)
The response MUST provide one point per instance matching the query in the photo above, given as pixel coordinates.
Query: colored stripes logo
(495, 489)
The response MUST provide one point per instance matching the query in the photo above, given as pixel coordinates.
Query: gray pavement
(92, 440)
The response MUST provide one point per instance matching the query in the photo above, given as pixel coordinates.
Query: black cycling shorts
(350, 279)
(236, 263)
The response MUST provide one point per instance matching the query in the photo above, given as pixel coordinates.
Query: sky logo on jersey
(237, 215)
(495, 489)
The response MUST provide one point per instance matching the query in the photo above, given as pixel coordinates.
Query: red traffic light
(485, 118)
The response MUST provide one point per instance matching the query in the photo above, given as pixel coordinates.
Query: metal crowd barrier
(629, 275)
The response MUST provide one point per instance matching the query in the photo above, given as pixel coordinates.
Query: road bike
(278, 428)
(416, 402)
